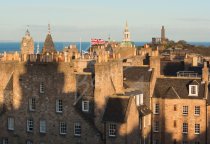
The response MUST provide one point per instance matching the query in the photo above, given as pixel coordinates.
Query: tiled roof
(173, 88)
(137, 73)
(116, 109)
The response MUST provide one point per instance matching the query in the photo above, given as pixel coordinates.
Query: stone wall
(108, 81)
(59, 83)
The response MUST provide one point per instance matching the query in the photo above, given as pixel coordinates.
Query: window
(59, 106)
(197, 128)
(139, 99)
(185, 128)
(112, 130)
(197, 110)
(156, 109)
(140, 123)
(41, 88)
(85, 106)
(29, 142)
(63, 128)
(11, 123)
(174, 123)
(193, 90)
(32, 104)
(30, 125)
(175, 107)
(5, 141)
(156, 126)
(42, 126)
(185, 110)
(77, 129)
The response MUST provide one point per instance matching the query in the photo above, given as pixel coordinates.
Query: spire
(49, 29)
(27, 31)
(126, 26)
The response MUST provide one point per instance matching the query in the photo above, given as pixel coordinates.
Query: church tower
(127, 35)
(48, 44)
(27, 43)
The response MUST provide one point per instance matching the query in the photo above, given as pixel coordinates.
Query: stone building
(27, 44)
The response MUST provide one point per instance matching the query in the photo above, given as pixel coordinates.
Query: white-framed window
(156, 126)
(197, 128)
(63, 128)
(29, 142)
(42, 126)
(85, 106)
(77, 129)
(32, 104)
(156, 108)
(59, 106)
(11, 123)
(197, 110)
(193, 90)
(139, 99)
(30, 125)
(112, 130)
(41, 87)
(185, 110)
(185, 128)
(5, 141)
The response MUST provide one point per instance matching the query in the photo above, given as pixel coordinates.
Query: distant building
(49, 46)
(160, 40)
(27, 44)
(127, 38)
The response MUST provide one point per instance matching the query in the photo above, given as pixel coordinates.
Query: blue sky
(72, 19)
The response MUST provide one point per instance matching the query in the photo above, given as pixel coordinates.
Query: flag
(97, 41)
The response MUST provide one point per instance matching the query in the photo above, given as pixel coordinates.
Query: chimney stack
(205, 73)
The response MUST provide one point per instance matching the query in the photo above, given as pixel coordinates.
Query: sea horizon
(12, 46)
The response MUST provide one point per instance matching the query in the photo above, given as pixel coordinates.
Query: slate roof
(170, 68)
(116, 109)
(134, 73)
(144, 110)
(173, 88)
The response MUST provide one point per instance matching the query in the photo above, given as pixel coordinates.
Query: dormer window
(193, 90)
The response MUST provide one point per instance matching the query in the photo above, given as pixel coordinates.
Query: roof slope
(137, 73)
(48, 45)
(172, 88)
(116, 109)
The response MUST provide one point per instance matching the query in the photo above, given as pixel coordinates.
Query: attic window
(193, 90)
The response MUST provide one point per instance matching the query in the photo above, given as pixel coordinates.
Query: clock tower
(27, 44)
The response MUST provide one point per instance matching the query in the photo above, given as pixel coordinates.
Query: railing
(187, 74)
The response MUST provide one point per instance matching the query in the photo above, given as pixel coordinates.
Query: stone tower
(127, 35)
(163, 35)
(27, 44)
(48, 44)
